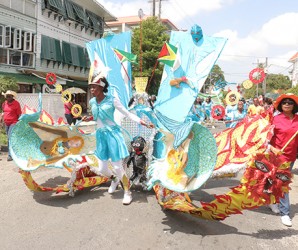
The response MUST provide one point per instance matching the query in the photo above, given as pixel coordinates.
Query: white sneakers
(274, 208)
(286, 220)
(127, 198)
(113, 186)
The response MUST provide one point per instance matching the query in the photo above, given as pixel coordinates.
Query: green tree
(7, 83)
(215, 74)
(274, 82)
(252, 92)
(153, 37)
(293, 90)
(277, 81)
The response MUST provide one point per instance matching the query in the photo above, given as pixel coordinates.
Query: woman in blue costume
(235, 116)
(207, 105)
(197, 112)
(110, 143)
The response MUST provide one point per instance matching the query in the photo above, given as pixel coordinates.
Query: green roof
(24, 78)
(34, 79)
(76, 83)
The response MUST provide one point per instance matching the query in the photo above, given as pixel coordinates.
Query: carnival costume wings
(191, 148)
(35, 144)
(119, 71)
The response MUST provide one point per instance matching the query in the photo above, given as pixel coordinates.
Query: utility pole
(153, 8)
(159, 10)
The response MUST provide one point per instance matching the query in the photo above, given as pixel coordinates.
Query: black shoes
(9, 158)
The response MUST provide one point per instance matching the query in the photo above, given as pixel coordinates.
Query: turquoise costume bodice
(103, 111)
(110, 143)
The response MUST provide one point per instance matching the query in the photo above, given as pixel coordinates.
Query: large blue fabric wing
(119, 77)
(194, 61)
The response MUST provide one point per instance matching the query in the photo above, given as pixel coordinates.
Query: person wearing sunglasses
(285, 130)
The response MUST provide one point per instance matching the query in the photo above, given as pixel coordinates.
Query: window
(7, 36)
(17, 39)
(1, 35)
(15, 57)
(27, 60)
(27, 41)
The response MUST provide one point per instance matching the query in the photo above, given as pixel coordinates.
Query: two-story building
(128, 23)
(41, 36)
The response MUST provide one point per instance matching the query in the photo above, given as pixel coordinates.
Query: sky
(256, 29)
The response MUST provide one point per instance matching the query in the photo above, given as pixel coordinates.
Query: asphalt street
(93, 219)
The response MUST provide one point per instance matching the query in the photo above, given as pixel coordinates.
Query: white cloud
(281, 30)
(277, 40)
(184, 11)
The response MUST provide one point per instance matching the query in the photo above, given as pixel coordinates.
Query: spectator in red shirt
(285, 130)
(11, 112)
(67, 111)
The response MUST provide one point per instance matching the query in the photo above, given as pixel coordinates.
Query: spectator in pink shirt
(11, 112)
(285, 130)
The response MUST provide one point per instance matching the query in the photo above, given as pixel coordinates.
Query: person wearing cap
(11, 109)
(110, 143)
(285, 135)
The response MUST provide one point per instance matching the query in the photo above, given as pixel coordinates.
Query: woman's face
(287, 105)
(95, 90)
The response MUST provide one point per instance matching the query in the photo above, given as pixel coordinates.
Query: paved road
(94, 219)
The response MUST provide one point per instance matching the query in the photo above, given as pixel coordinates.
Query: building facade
(128, 23)
(294, 70)
(41, 36)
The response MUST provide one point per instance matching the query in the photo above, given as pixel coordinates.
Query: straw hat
(285, 96)
(10, 92)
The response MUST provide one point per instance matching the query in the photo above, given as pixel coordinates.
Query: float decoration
(58, 87)
(232, 98)
(236, 145)
(66, 96)
(247, 84)
(76, 110)
(51, 78)
(218, 112)
(274, 178)
(257, 75)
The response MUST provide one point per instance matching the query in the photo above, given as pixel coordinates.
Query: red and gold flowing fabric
(265, 181)
(236, 145)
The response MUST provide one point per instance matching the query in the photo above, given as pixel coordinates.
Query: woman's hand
(148, 125)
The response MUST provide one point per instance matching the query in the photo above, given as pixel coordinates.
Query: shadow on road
(64, 200)
(184, 223)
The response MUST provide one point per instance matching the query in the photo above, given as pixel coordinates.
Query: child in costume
(110, 143)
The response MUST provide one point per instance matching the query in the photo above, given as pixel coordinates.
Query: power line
(190, 21)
